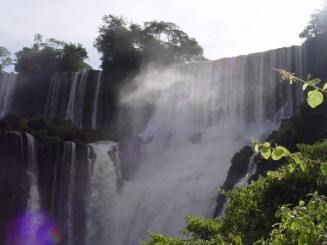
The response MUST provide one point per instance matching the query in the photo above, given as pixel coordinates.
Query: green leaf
(324, 87)
(277, 154)
(323, 169)
(314, 82)
(296, 159)
(315, 98)
(265, 152)
(301, 203)
(305, 86)
(296, 224)
(303, 166)
(266, 144)
(291, 168)
(285, 151)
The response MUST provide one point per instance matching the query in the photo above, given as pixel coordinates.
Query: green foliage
(12, 121)
(5, 59)
(317, 25)
(203, 231)
(314, 97)
(126, 45)
(73, 57)
(304, 224)
(201, 228)
(57, 128)
(50, 56)
(250, 214)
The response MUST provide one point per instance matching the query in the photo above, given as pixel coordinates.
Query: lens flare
(32, 228)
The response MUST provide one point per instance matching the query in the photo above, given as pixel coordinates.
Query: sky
(224, 28)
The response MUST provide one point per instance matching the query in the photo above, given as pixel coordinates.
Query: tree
(116, 43)
(176, 43)
(73, 57)
(50, 56)
(127, 45)
(5, 59)
(317, 25)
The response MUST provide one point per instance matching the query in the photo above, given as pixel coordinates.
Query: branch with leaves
(315, 97)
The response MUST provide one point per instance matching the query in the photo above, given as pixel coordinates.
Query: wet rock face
(238, 169)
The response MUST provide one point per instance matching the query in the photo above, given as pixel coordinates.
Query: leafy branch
(315, 97)
(277, 152)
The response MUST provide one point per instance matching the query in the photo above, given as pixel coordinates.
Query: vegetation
(262, 212)
(125, 46)
(5, 59)
(50, 56)
(317, 25)
(60, 128)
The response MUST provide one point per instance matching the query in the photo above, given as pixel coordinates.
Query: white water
(70, 155)
(53, 96)
(7, 86)
(66, 97)
(102, 191)
(75, 106)
(204, 113)
(33, 219)
(96, 102)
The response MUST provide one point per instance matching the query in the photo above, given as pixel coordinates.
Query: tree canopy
(5, 58)
(127, 45)
(51, 56)
(317, 25)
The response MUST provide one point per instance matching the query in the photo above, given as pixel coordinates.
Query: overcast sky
(223, 28)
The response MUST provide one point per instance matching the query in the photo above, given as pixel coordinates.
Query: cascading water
(75, 106)
(96, 102)
(67, 191)
(203, 113)
(197, 116)
(67, 95)
(7, 86)
(33, 217)
(25, 229)
(33, 203)
(103, 186)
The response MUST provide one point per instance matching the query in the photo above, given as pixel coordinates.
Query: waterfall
(7, 86)
(95, 102)
(102, 190)
(187, 122)
(25, 229)
(69, 95)
(69, 146)
(52, 108)
(75, 106)
(33, 203)
(33, 217)
(203, 113)
(67, 192)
